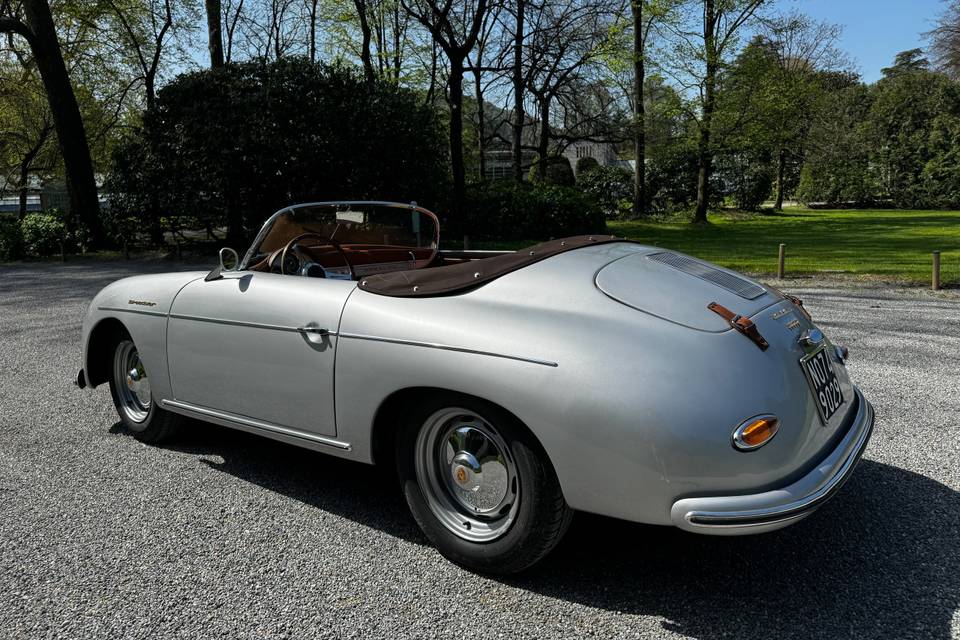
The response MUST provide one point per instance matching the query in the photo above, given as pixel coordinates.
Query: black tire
(143, 418)
(540, 519)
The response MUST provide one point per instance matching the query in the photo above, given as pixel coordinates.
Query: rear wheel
(479, 485)
(130, 388)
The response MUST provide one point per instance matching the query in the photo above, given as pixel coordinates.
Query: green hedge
(611, 187)
(11, 239)
(508, 211)
(233, 145)
(558, 171)
(44, 234)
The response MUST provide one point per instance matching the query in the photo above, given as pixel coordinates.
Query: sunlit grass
(881, 243)
(888, 243)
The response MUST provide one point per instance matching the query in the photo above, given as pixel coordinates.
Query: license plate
(823, 383)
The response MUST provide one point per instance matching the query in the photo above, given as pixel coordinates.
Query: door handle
(320, 331)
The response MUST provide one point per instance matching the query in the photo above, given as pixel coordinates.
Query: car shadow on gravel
(882, 559)
(366, 494)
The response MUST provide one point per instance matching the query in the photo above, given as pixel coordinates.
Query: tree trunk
(781, 169)
(81, 185)
(365, 56)
(543, 141)
(481, 126)
(639, 112)
(214, 37)
(25, 165)
(150, 87)
(397, 54)
(704, 153)
(518, 94)
(431, 89)
(313, 30)
(456, 143)
(24, 176)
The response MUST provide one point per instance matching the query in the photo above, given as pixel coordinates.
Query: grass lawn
(885, 243)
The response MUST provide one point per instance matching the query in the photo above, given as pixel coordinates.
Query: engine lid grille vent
(740, 286)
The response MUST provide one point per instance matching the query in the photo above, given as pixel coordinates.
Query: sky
(874, 30)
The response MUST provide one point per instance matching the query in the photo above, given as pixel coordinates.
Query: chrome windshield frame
(265, 229)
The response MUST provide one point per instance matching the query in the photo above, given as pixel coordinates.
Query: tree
(517, 76)
(906, 62)
(565, 38)
(837, 166)
(702, 46)
(312, 6)
(37, 28)
(27, 143)
(455, 29)
(945, 40)
(214, 36)
(913, 114)
(767, 96)
(233, 145)
(488, 50)
(367, 35)
(232, 13)
(640, 35)
(145, 29)
(803, 50)
(645, 17)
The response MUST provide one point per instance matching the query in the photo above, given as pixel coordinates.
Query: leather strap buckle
(745, 326)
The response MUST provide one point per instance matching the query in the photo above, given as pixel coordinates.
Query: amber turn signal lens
(755, 432)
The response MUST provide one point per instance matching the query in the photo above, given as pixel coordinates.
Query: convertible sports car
(508, 389)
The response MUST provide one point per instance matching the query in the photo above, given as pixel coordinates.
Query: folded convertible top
(457, 278)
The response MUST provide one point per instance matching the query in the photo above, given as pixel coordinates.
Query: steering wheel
(333, 243)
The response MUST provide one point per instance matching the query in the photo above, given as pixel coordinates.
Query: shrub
(44, 234)
(11, 239)
(586, 164)
(671, 180)
(233, 145)
(508, 211)
(611, 187)
(752, 181)
(558, 171)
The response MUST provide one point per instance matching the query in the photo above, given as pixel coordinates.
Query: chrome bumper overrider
(760, 512)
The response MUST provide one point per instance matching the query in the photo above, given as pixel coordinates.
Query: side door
(258, 345)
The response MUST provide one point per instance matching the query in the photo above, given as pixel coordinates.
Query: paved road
(224, 534)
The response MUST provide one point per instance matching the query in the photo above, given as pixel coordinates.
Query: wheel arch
(97, 361)
(385, 429)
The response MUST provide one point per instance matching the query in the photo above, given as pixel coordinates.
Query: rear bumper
(760, 512)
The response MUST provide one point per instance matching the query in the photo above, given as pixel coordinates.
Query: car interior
(346, 240)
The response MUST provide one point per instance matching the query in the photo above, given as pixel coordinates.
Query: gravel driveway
(225, 534)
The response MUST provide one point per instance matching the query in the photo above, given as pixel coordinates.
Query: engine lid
(678, 288)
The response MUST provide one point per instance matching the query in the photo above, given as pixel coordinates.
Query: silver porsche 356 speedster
(508, 389)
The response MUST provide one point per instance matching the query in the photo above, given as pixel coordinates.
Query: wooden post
(781, 261)
(936, 271)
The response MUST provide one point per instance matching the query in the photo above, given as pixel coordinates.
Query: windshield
(354, 225)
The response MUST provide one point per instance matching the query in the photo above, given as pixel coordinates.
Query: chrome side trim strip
(186, 407)
(446, 347)
(243, 323)
(141, 312)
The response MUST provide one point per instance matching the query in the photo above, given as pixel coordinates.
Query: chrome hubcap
(133, 385)
(466, 474)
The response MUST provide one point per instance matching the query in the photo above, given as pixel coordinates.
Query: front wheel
(130, 388)
(479, 485)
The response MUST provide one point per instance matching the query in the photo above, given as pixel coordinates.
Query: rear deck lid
(678, 288)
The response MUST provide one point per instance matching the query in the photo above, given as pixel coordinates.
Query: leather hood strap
(741, 324)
